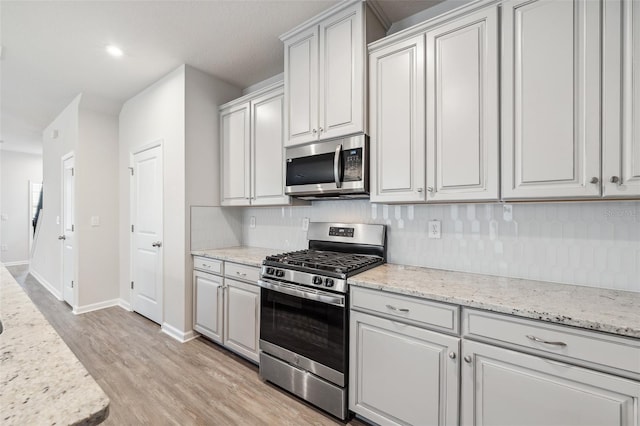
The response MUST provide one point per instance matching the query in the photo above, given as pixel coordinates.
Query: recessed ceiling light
(114, 50)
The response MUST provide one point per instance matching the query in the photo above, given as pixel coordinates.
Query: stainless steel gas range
(304, 317)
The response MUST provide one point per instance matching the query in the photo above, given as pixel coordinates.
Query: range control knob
(279, 273)
(269, 271)
(328, 282)
(317, 280)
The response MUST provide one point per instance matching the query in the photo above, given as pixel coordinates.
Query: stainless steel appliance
(304, 316)
(336, 168)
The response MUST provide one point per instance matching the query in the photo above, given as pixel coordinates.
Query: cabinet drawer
(439, 316)
(241, 272)
(557, 341)
(207, 265)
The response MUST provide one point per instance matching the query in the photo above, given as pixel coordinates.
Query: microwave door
(311, 170)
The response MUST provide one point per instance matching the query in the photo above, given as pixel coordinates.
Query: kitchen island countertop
(611, 311)
(41, 380)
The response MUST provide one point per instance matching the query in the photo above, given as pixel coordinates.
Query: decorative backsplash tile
(215, 227)
(595, 244)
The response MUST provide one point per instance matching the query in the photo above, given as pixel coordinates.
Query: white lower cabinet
(505, 387)
(400, 373)
(226, 309)
(207, 304)
(241, 318)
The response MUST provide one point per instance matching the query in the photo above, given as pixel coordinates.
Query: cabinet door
(235, 165)
(267, 151)
(401, 374)
(397, 122)
(621, 103)
(242, 319)
(207, 305)
(550, 99)
(504, 387)
(462, 109)
(342, 73)
(301, 87)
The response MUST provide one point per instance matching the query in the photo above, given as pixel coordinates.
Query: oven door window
(312, 329)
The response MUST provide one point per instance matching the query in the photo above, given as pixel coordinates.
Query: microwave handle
(336, 166)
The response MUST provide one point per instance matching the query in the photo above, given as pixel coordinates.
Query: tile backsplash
(595, 244)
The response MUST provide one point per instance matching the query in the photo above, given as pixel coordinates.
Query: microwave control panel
(352, 165)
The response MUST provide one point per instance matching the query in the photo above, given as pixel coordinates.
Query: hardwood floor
(152, 379)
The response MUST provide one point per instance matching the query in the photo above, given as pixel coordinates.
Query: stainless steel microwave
(335, 168)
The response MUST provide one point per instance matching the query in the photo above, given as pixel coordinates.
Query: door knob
(614, 179)
(62, 237)
(157, 244)
(595, 180)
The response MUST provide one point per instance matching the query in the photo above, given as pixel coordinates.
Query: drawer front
(207, 265)
(438, 316)
(241, 272)
(581, 346)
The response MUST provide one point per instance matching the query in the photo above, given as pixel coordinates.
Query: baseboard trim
(180, 336)
(18, 263)
(46, 284)
(96, 306)
(125, 305)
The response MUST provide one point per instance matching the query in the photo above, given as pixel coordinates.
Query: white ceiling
(53, 50)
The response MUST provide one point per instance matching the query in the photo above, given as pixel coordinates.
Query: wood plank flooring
(151, 379)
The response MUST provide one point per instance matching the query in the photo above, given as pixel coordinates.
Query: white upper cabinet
(252, 133)
(462, 109)
(397, 75)
(235, 135)
(325, 74)
(301, 75)
(550, 99)
(621, 102)
(267, 151)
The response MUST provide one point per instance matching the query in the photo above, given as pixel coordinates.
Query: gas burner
(329, 261)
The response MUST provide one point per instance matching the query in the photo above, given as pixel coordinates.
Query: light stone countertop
(610, 311)
(41, 380)
(252, 256)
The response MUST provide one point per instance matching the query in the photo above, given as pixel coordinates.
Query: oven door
(305, 327)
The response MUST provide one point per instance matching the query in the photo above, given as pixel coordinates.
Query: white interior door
(68, 229)
(147, 286)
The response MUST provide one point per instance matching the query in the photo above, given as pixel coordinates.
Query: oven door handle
(310, 295)
(336, 166)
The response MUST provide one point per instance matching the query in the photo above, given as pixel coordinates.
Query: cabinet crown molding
(252, 95)
(320, 17)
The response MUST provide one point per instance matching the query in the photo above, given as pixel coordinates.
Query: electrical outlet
(305, 224)
(5, 216)
(507, 212)
(4, 247)
(95, 220)
(252, 222)
(434, 229)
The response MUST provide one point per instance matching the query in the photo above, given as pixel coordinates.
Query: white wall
(47, 252)
(17, 169)
(157, 114)
(96, 195)
(594, 244)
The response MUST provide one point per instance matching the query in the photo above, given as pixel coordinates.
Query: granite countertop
(41, 380)
(252, 256)
(610, 311)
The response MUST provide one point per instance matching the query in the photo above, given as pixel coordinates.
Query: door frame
(134, 151)
(65, 157)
